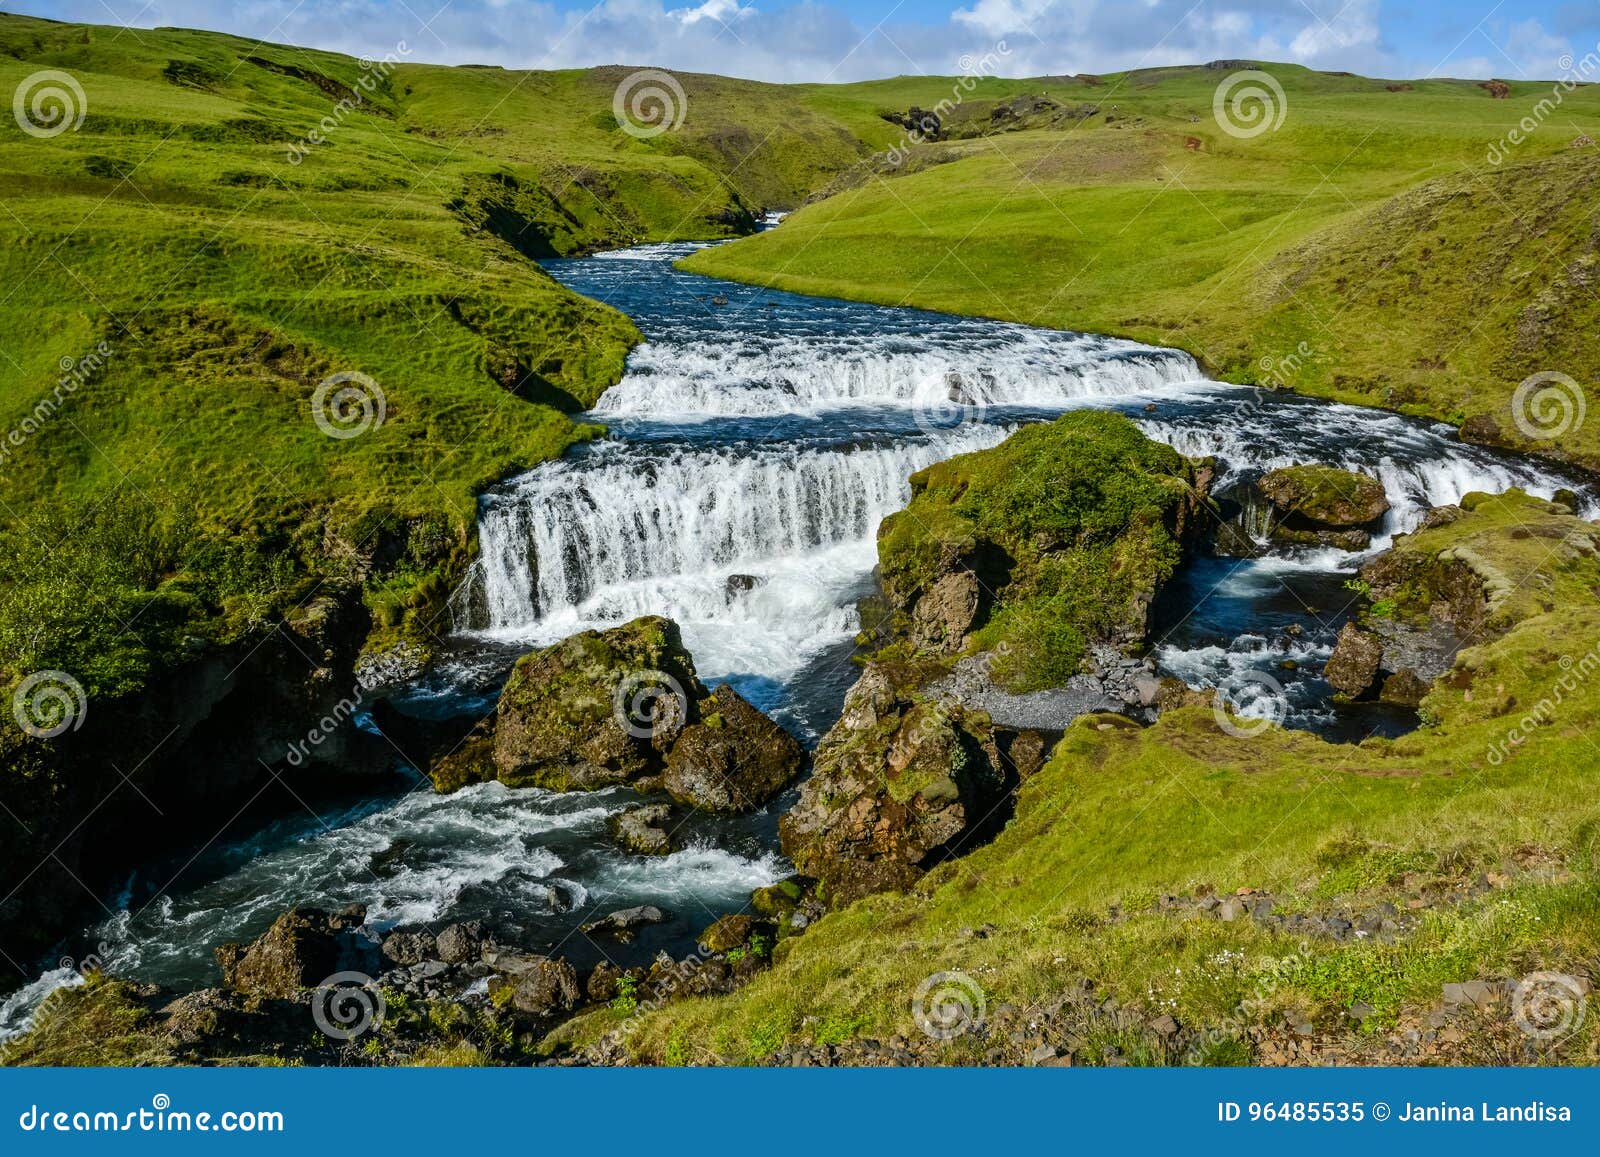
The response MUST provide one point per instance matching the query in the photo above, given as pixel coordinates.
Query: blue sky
(841, 40)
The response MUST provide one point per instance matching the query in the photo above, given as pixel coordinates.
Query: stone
(1148, 690)
(1353, 667)
(597, 709)
(1164, 1025)
(946, 611)
(896, 784)
(1230, 909)
(1324, 496)
(460, 943)
(624, 924)
(408, 948)
(301, 949)
(548, 990)
(734, 759)
(1404, 688)
(640, 829)
(728, 932)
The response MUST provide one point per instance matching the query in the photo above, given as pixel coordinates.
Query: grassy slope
(1121, 816)
(1369, 227)
(227, 281)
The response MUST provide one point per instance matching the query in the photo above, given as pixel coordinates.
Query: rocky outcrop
(251, 721)
(1323, 506)
(733, 760)
(1056, 540)
(625, 706)
(898, 784)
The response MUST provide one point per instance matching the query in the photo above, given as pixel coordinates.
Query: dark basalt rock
(640, 829)
(1353, 668)
(302, 949)
(898, 784)
(624, 924)
(734, 759)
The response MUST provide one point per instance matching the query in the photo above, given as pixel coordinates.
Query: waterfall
(757, 375)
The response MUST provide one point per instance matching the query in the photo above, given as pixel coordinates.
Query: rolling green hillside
(1365, 249)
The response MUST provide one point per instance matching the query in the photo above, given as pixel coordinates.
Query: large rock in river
(734, 759)
(301, 950)
(597, 709)
(1353, 667)
(1323, 505)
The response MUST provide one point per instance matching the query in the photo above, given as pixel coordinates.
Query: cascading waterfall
(761, 375)
(764, 540)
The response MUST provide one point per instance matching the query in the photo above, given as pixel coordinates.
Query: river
(756, 441)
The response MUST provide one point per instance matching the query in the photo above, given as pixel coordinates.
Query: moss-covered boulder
(898, 784)
(1323, 506)
(301, 949)
(733, 760)
(642, 830)
(1059, 537)
(597, 709)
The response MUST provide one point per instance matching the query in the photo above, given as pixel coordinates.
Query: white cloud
(818, 40)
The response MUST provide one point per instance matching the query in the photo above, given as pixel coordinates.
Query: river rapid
(756, 442)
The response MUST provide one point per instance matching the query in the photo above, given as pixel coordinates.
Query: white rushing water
(755, 551)
(764, 375)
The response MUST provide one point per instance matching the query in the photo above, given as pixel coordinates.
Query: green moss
(1068, 522)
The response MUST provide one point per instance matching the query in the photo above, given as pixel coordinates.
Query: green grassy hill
(1366, 249)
